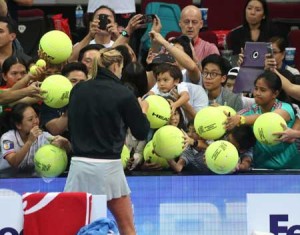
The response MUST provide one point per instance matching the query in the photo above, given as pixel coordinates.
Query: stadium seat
(223, 15)
(169, 15)
(180, 3)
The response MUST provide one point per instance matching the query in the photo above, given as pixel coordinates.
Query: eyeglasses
(212, 75)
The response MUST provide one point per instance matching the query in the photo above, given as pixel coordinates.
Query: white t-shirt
(181, 87)
(107, 45)
(11, 142)
(198, 96)
(185, 77)
(120, 7)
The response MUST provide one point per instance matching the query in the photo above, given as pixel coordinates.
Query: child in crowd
(242, 137)
(267, 88)
(176, 119)
(193, 159)
(231, 76)
(169, 77)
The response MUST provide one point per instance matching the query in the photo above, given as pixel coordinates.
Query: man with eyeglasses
(214, 75)
(190, 23)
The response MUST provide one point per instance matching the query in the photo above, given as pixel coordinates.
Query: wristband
(242, 120)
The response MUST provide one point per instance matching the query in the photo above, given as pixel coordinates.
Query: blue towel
(102, 226)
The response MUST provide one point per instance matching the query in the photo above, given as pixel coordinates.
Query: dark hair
(244, 136)
(184, 41)
(74, 66)
(272, 80)
(12, 60)
(173, 70)
(108, 8)
(190, 123)
(181, 124)
(280, 42)
(266, 12)
(11, 24)
(9, 119)
(89, 47)
(135, 78)
(123, 49)
(274, 83)
(9, 62)
(265, 26)
(218, 60)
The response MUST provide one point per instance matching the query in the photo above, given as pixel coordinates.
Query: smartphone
(270, 50)
(148, 18)
(104, 21)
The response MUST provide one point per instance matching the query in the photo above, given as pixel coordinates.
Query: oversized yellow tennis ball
(56, 91)
(265, 125)
(159, 111)
(150, 156)
(209, 123)
(168, 142)
(57, 45)
(125, 155)
(32, 69)
(230, 111)
(50, 161)
(221, 157)
(41, 63)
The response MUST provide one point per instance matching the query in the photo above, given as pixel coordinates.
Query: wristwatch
(125, 34)
(242, 120)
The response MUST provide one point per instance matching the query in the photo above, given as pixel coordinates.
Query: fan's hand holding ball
(56, 91)
(41, 63)
(168, 142)
(221, 157)
(266, 125)
(209, 123)
(32, 70)
(50, 161)
(227, 110)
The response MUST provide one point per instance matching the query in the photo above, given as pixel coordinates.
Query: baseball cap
(233, 72)
(159, 59)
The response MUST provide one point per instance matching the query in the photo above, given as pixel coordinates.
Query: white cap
(234, 71)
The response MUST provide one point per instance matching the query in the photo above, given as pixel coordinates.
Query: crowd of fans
(187, 70)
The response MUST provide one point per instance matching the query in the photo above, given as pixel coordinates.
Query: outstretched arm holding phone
(97, 35)
(136, 22)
